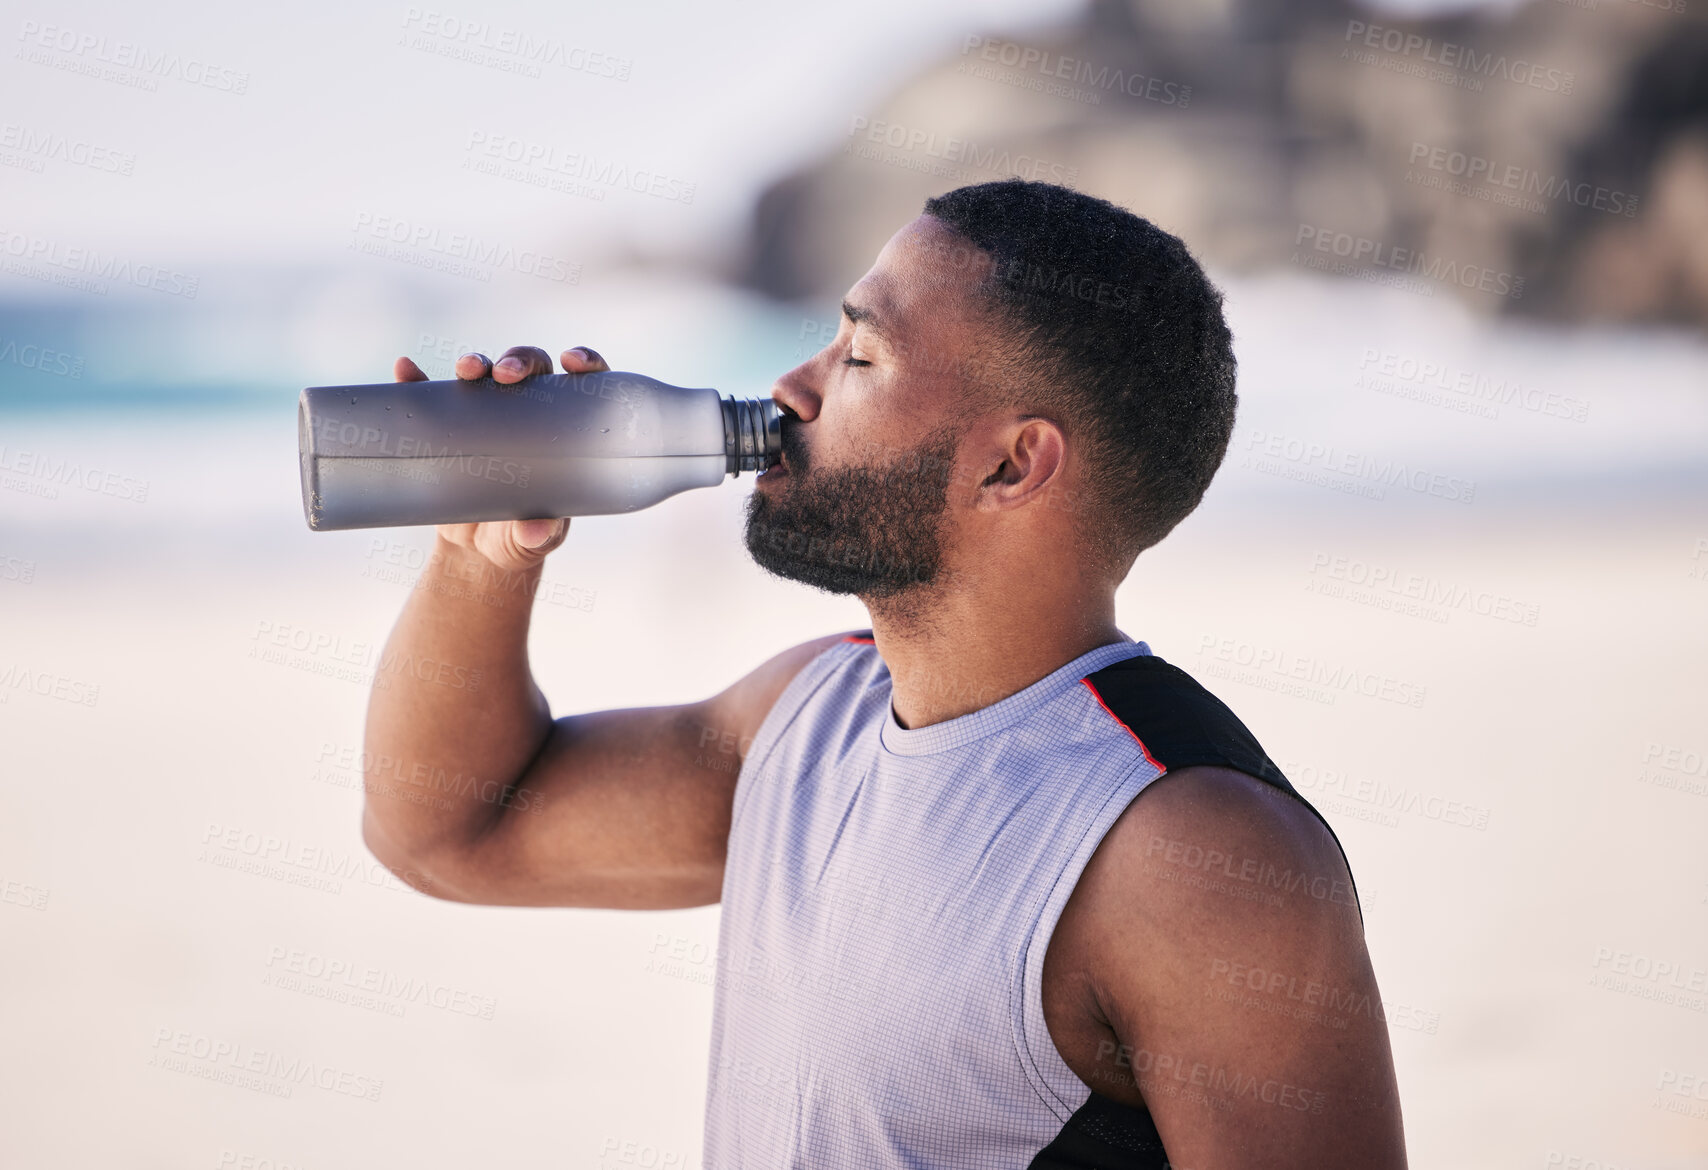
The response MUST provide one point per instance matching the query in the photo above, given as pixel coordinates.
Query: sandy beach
(1498, 703)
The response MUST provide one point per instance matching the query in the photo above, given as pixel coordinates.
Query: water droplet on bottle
(409, 414)
(604, 430)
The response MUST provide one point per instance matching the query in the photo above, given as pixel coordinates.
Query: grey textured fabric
(887, 903)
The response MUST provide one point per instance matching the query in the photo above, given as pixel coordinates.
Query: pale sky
(350, 111)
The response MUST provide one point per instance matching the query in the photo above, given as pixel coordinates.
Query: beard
(875, 532)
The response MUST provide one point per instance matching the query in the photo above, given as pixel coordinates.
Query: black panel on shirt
(1180, 724)
(1104, 1134)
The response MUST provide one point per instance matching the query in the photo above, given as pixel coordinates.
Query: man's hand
(618, 809)
(510, 545)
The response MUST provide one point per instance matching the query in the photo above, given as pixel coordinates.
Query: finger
(503, 543)
(405, 370)
(539, 536)
(582, 360)
(521, 361)
(472, 367)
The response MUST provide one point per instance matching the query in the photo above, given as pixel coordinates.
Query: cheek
(962, 482)
(898, 418)
(854, 425)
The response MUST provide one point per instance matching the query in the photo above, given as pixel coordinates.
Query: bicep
(619, 810)
(630, 808)
(1235, 976)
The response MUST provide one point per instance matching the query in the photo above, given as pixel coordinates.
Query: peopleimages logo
(47, 146)
(318, 976)
(47, 684)
(460, 253)
(352, 439)
(88, 269)
(1432, 592)
(1220, 1082)
(19, 893)
(84, 52)
(511, 49)
(40, 474)
(1469, 389)
(1273, 453)
(1058, 75)
(1503, 182)
(1269, 665)
(272, 1072)
(40, 357)
(541, 161)
(1637, 966)
(1356, 250)
(1459, 58)
(332, 655)
(1382, 803)
(1669, 766)
(952, 151)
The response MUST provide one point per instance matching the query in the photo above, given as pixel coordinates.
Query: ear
(1032, 458)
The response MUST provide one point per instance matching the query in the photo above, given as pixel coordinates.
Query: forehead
(925, 275)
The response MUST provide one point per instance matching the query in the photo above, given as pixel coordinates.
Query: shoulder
(774, 674)
(1210, 835)
(1215, 934)
(1175, 721)
(1214, 937)
(1206, 870)
(743, 706)
(1206, 862)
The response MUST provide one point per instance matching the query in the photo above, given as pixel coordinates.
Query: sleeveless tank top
(888, 897)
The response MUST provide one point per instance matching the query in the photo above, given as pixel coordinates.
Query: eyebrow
(861, 315)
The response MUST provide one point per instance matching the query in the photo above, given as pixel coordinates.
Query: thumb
(540, 536)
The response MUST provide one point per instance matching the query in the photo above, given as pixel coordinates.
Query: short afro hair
(1115, 326)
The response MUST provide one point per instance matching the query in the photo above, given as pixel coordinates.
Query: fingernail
(513, 365)
(550, 532)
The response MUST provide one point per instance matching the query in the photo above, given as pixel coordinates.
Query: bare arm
(1227, 964)
(477, 794)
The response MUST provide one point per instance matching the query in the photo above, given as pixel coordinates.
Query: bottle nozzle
(753, 435)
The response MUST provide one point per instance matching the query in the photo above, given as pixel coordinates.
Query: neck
(964, 645)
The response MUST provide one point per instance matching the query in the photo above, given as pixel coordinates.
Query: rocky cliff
(1550, 161)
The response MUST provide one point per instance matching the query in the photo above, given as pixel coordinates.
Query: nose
(795, 394)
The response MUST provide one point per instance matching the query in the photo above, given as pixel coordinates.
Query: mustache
(794, 444)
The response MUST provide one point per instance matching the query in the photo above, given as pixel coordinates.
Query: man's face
(861, 502)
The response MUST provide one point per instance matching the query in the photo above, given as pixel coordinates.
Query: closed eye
(854, 361)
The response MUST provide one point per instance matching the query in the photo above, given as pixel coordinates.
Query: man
(953, 934)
